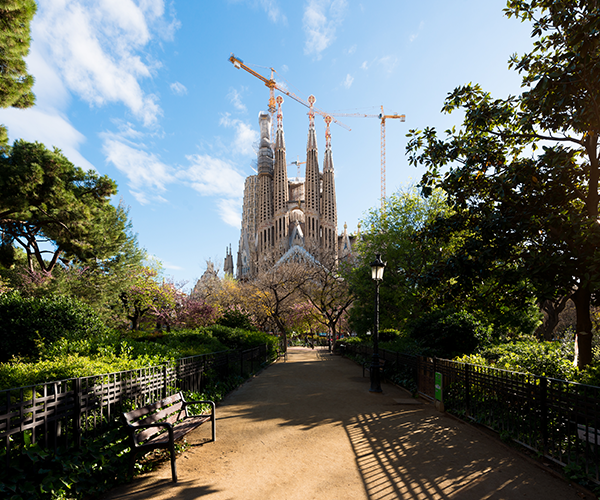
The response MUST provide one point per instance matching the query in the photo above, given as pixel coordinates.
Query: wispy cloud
(388, 63)
(348, 81)
(414, 36)
(97, 46)
(236, 99)
(48, 127)
(212, 176)
(320, 22)
(272, 9)
(147, 175)
(230, 211)
(178, 88)
(245, 136)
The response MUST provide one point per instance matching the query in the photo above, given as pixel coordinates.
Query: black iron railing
(557, 419)
(59, 414)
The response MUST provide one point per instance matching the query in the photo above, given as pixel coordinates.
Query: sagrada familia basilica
(285, 218)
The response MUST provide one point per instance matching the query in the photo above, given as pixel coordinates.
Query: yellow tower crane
(273, 85)
(382, 116)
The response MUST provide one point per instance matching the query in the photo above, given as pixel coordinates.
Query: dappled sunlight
(410, 455)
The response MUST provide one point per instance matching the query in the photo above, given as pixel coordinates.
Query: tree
(51, 208)
(329, 293)
(393, 234)
(276, 290)
(15, 38)
(522, 173)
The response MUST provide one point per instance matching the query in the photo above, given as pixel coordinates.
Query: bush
(447, 334)
(545, 359)
(28, 326)
(236, 319)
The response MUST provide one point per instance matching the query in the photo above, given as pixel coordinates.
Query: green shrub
(546, 359)
(236, 319)
(29, 326)
(404, 344)
(447, 334)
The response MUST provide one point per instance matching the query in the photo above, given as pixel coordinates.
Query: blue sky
(143, 92)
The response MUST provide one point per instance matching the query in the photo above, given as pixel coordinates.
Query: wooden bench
(160, 424)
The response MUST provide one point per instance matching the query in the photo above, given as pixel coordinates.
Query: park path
(308, 428)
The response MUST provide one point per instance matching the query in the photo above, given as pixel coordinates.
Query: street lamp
(377, 267)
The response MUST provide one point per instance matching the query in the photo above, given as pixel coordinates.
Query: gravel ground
(308, 428)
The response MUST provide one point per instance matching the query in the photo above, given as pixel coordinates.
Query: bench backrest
(169, 410)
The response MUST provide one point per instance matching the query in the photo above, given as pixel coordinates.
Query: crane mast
(382, 116)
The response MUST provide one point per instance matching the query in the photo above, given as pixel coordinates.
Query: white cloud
(273, 11)
(146, 173)
(414, 36)
(212, 176)
(388, 63)
(364, 65)
(48, 127)
(236, 99)
(320, 22)
(230, 211)
(178, 88)
(348, 81)
(245, 136)
(96, 45)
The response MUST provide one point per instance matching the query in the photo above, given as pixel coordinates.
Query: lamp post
(377, 267)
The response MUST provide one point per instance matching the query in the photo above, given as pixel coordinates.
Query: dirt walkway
(309, 428)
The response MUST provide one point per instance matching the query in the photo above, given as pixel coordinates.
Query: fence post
(164, 389)
(77, 414)
(241, 363)
(467, 389)
(544, 412)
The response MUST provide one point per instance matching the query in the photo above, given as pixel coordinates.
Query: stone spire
(328, 208)
(228, 264)
(312, 186)
(281, 189)
(265, 185)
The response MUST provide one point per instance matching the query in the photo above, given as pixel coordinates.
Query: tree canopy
(521, 174)
(15, 38)
(54, 210)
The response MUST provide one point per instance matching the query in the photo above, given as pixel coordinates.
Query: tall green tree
(522, 173)
(393, 233)
(54, 210)
(15, 38)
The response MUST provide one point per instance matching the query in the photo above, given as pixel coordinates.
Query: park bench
(160, 424)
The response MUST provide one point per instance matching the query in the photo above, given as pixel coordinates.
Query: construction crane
(273, 85)
(297, 163)
(382, 116)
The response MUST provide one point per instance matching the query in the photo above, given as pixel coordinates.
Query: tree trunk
(583, 340)
(551, 310)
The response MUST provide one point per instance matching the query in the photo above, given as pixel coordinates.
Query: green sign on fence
(438, 386)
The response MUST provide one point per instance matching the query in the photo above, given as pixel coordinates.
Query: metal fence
(557, 419)
(59, 414)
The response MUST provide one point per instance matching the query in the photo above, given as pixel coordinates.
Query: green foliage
(45, 198)
(28, 326)
(99, 465)
(15, 82)
(233, 318)
(447, 333)
(405, 344)
(238, 339)
(546, 359)
(522, 173)
(392, 233)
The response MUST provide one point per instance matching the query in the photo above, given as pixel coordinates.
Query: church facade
(289, 218)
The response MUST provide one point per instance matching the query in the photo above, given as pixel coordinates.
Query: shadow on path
(309, 428)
